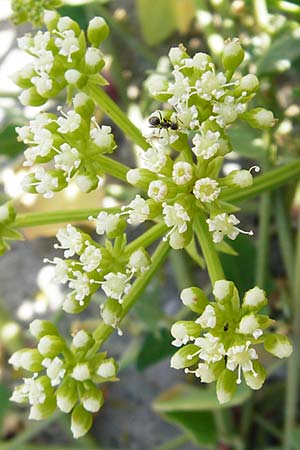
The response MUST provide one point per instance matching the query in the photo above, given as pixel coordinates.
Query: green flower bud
(75, 78)
(82, 340)
(255, 381)
(180, 240)
(28, 359)
(139, 261)
(22, 78)
(92, 399)
(41, 411)
(107, 369)
(72, 306)
(83, 105)
(248, 83)
(226, 295)
(86, 182)
(7, 213)
(184, 330)
(194, 298)
(259, 118)
(50, 345)
(30, 97)
(50, 19)
(177, 55)
(140, 177)
(226, 386)
(81, 372)
(233, 54)
(279, 345)
(66, 23)
(39, 328)
(111, 312)
(185, 357)
(66, 395)
(238, 178)
(94, 61)
(254, 299)
(81, 421)
(97, 31)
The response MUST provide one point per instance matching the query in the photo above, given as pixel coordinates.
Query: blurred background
(154, 407)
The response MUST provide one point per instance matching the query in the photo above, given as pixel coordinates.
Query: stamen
(255, 168)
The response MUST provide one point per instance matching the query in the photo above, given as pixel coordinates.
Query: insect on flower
(158, 121)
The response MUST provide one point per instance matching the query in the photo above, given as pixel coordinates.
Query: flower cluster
(204, 104)
(220, 345)
(110, 267)
(63, 377)
(32, 10)
(73, 142)
(61, 58)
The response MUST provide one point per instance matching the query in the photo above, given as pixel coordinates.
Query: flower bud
(111, 312)
(94, 61)
(7, 213)
(194, 298)
(66, 23)
(66, 395)
(81, 372)
(226, 386)
(239, 178)
(185, 357)
(41, 411)
(50, 345)
(22, 78)
(97, 31)
(28, 359)
(30, 97)
(255, 380)
(86, 182)
(254, 299)
(279, 345)
(39, 328)
(248, 83)
(226, 295)
(92, 399)
(139, 261)
(177, 55)
(233, 54)
(209, 372)
(156, 84)
(259, 118)
(75, 78)
(72, 306)
(50, 19)
(81, 421)
(83, 105)
(184, 331)
(107, 369)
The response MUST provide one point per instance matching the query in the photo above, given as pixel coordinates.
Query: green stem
(45, 218)
(285, 237)
(116, 114)
(103, 331)
(114, 168)
(262, 183)
(292, 387)
(174, 443)
(147, 238)
(267, 426)
(261, 13)
(263, 240)
(210, 254)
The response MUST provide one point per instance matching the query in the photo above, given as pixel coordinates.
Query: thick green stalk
(209, 251)
(147, 238)
(263, 240)
(112, 167)
(103, 331)
(45, 218)
(262, 183)
(292, 386)
(110, 108)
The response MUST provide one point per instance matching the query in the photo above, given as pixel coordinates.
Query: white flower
(210, 85)
(201, 61)
(208, 317)
(40, 41)
(91, 258)
(223, 225)
(44, 140)
(207, 144)
(81, 285)
(115, 285)
(55, 370)
(241, 356)
(46, 183)
(69, 123)
(42, 83)
(176, 217)
(180, 89)
(206, 190)
(138, 210)
(102, 137)
(31, 390)
(61, 270)
(44, 62)
(70, 239)
(139, 261)
(38, 124)
(105, 223)
(67, 158)
(227, 111)
(68, 44)
(205, 373)
(186, 116)
(157, 190)
(211, 349)
(249, 325)
(154, 159)
(182, 172)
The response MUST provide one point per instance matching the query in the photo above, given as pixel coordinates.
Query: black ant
(162, 122)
